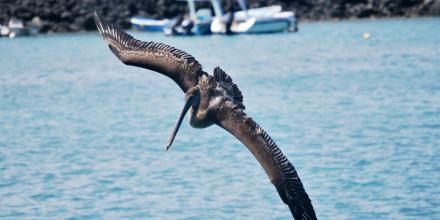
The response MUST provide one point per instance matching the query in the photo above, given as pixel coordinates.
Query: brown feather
(278, 168)
(180, 66)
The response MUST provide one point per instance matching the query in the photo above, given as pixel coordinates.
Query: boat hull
(268, 26)
(149, 28)
(148, 24)
(255, 25)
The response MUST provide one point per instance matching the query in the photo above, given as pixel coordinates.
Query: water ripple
(82, 137)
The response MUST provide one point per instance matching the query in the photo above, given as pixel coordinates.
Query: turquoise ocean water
(83, 136)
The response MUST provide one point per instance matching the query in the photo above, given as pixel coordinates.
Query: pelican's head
(203, 101)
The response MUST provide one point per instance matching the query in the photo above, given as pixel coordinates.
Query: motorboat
(269, 19)
(197, 22)
(16, 28)
(148, 24)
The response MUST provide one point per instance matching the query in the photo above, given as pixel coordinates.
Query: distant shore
(77, 15)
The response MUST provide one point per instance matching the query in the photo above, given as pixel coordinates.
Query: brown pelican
(212, 100)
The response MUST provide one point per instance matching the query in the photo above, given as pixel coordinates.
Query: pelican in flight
(212, 99)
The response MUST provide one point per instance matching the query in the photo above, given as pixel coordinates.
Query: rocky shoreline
(77, 15)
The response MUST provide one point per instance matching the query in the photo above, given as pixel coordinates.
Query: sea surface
(83, 136)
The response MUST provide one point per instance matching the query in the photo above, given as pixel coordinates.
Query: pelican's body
(213, 99)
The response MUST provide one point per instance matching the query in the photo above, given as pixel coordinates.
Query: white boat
(269, 19)
(17, 28)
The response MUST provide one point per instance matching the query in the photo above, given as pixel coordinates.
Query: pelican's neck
(200, 118)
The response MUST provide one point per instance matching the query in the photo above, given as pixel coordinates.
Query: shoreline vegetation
(58, 16)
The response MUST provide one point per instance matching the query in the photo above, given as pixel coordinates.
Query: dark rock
(46, 27)
(89, 23)
(74, 27)
(24, 13)
(66, 16)
(433, 7)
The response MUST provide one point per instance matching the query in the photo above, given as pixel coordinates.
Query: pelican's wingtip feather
(289, 186)
(99, 23)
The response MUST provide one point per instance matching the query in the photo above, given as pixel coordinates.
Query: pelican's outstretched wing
(174, 63)
(278, 168)
(280, 171)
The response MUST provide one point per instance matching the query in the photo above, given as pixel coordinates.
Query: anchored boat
(17, 28)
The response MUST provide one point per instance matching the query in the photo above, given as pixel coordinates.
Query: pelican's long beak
(185, 109)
